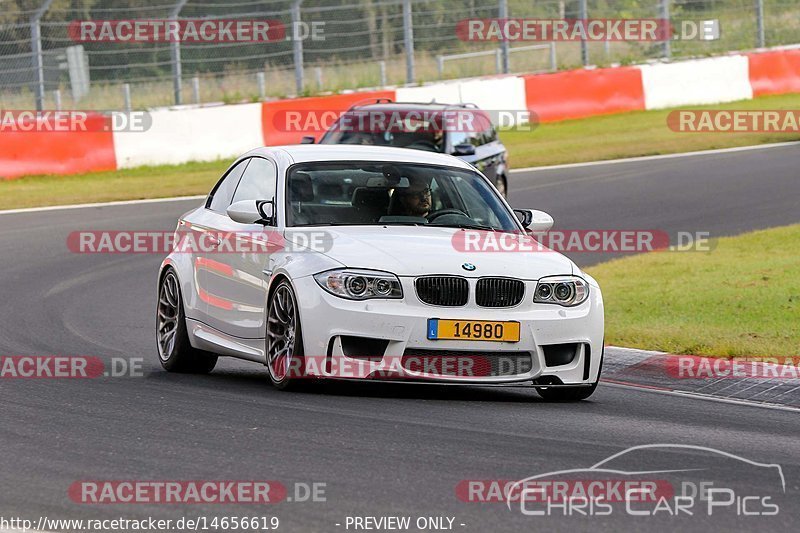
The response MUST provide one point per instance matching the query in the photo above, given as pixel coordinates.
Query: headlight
(562, 290)
(360, 284)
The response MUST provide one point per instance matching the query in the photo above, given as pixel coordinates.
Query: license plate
(473, 330)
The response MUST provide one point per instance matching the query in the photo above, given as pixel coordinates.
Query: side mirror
(308, 139)
(252, 211)
(463, 149)
(534, 220)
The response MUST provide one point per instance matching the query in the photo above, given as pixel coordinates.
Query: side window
(259, 181)
(221, 197)
(477, 207)
(464, 137)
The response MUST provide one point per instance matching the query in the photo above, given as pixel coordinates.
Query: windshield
(417, 140)
(372, 193)
(400, 129)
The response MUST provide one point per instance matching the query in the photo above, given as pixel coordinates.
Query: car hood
(416, 251)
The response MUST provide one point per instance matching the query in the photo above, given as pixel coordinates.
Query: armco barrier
(61, 153)
(584, 93)
(775, 72)
(202, 134)
(702, 81)
(274, 114)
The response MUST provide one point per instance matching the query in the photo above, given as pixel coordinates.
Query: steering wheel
(436, 214)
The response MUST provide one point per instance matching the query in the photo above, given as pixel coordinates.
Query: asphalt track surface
(380, 449)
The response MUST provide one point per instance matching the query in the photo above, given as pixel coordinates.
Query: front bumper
(402, 326)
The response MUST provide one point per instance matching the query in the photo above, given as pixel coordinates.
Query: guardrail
(498, 53)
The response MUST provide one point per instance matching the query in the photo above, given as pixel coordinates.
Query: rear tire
(285, 355)
(175, 351)
(502, 186)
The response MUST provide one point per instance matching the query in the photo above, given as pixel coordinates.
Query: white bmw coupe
(360, 262)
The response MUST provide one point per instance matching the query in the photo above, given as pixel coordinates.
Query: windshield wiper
(322, 224)
(467, 226)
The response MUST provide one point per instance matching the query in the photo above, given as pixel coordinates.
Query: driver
(414, 200)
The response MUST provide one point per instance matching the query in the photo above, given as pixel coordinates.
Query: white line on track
(101, 204)
(657, 157)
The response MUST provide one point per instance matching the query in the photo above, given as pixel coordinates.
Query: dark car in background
(461, 130)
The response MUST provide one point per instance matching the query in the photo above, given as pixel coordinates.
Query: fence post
(553, 59)
(318, 77)
(297, 48)
(583, 15)
(57, 99)
(36, 52)
(762, 41)
(175, 57)
(499, 60)
(504, 64)
(408, 41)
(261, 81)
(382, 65)
(196, 89)
(667, 45)
(440, 65)
(126, 97)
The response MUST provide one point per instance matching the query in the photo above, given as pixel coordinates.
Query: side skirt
(204, 337)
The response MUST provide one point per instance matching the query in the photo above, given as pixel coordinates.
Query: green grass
(590, 139)
(134, 184)
(632, 134)
(740, 299)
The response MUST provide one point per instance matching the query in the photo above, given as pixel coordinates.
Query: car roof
(304, 153)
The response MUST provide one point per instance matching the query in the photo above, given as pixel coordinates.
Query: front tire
(285, 356)
(175, 352)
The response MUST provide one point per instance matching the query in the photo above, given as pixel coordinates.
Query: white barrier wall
(507, 93)
(704, 81)
(490, 94)
(181, 136)
(442, 93)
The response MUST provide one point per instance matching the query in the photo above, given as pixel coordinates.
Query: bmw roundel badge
(469, 267)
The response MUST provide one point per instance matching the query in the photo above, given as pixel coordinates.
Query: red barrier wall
(584, 93)
(48, 152)
(775, 72)
(274, 114)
